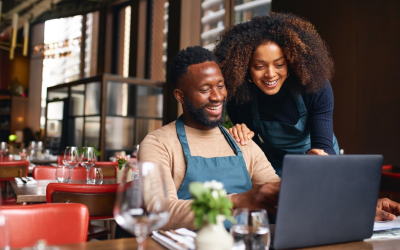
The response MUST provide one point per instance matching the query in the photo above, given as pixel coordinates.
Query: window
(62, 51)
(218, 14)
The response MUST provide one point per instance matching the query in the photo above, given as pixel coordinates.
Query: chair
(60, 159)
(99, 199)
(11, 169)
(387, 167)
(108, 168)
(49, 173)
(55, 223)
(8, 171)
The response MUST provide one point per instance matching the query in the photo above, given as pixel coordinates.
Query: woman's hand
(387, 209)
(316, 151)
(241, 133)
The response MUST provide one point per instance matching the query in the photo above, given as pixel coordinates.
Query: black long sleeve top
(282, 107)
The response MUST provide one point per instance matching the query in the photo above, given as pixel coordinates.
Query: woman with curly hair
(277, 71)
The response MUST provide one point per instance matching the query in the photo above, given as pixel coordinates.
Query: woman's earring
(287, 74)
(250, 80)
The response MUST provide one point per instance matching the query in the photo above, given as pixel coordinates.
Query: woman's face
(268, 68)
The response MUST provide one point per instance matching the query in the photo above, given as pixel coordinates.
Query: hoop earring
(250, 80)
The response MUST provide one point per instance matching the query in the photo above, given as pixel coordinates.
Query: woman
(277, 70)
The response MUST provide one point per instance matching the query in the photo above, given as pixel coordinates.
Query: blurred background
(93, 72)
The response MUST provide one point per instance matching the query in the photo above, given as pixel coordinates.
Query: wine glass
(3, 149)
(251, 229)
(88, 159)
(142, 205)
(71, 158)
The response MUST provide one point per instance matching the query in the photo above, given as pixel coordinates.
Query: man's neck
(188, 121)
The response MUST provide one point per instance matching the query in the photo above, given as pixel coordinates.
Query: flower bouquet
(211, 207)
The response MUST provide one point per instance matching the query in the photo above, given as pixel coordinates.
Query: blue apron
(281, 138)
(230, 170)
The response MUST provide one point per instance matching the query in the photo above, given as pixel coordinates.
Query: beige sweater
(163, 146)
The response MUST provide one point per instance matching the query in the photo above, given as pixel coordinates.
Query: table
(43, 162)
(37, 193)
(131, 244)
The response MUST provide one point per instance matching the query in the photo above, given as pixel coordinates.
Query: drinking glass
(95, 176)
(251, 229)
(142, 205)
(63, 174)
(3, 149)
(4, 234)
(88, 159)
(71, 157)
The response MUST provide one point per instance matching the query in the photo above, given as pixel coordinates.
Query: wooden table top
(37, 193)
(131, 244)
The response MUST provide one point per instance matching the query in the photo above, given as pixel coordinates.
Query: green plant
(94, 145)
(121, 161)
(227, 121)
(209, 200)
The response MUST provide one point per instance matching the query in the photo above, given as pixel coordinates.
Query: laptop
(327, 199)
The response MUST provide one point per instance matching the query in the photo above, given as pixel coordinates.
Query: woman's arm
(321, 119)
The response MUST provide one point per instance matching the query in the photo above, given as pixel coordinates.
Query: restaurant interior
(90, 78)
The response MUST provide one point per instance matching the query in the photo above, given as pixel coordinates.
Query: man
(197, 148)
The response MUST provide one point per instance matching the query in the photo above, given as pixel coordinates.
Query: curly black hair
(187, 57)
(309, 63)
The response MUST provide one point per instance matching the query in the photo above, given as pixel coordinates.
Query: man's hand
(264, 196)
(387, 209)
(316, 151)
(241, 133)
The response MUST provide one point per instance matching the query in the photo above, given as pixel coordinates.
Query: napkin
(29, 180)
(385, 225)
(185, 237)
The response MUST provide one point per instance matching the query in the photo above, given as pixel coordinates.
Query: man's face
(204, 95)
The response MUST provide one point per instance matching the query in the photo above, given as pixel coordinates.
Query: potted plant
(122, 161)
(211, 207)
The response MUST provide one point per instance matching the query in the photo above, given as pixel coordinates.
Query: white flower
(207, 184)
(214, 194)
(222, 192)
(216, 185)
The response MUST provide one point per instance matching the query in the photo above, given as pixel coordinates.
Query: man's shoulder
(251, 149)
(164, 133)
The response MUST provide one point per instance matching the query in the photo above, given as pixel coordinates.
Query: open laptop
(327, 199)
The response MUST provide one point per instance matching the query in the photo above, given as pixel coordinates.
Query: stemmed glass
(3, 149)
(88, 160)
(251, 229)
(142, 205)
(71, 158)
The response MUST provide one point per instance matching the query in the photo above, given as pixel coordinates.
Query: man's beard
(199, 115)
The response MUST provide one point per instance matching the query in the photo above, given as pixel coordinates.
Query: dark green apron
(281, 137)
(230, 170)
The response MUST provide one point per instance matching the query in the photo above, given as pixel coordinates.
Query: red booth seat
(55, 223)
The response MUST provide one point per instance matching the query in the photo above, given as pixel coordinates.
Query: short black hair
(187, 57)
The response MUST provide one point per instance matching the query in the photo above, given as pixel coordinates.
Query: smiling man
(197, 148)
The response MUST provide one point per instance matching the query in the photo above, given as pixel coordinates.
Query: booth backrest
(99, 199)
(11, 169)
(55, 223)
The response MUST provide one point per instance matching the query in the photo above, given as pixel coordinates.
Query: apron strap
(301, 107)
(180, 130)
(230, 140)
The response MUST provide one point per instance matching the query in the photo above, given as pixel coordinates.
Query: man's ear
(179, 96)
